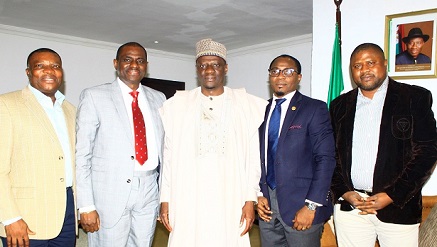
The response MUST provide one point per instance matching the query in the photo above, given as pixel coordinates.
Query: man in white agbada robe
(210, 174)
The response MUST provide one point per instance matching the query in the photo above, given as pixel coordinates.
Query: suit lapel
(152, 103)
(262, 134)
(292, 110)
(265, 124)
(153, 110)
(390, 108)
(349, 116)
(70, 120)
(346, 124)
(38, 113)
(117, 99)
(390, 103)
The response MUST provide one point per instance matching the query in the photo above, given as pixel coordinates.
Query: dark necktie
(139, 130)
(273, 135)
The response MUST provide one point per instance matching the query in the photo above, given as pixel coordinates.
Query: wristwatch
(311, 205)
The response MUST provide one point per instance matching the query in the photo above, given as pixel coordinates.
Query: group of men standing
(217, 154)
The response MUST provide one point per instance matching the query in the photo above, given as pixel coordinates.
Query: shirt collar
(287, 97)
(44, 100)
(382, 90)
(126, 90)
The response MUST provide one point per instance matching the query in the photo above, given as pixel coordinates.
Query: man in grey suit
(117, 157)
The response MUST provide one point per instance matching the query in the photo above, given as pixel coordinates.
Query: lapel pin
(293, 108)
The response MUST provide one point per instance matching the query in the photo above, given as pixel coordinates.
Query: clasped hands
(302, 221)
(368, 205)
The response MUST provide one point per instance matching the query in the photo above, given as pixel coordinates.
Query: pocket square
(292, 127)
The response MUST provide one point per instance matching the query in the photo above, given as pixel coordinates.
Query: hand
(17, 234)
(303, 219)
(163, 216)
(248, 214)
(373, 203)
(263, 209)
(354, 199)
(90, 222)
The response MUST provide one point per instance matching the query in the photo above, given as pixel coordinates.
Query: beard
(279, 94)
(369, 87)
(370, 84)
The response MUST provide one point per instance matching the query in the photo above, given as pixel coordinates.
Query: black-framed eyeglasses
(287, 72)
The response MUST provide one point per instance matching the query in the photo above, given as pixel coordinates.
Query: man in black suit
(385, 135)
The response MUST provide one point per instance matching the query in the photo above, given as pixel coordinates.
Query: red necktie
(139, 130)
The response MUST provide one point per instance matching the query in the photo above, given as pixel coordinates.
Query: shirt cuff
(317, 204)
(87, 209)
(10, 221)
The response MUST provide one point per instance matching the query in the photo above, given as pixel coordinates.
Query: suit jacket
(406, 58)
(407, 149)
(105, 153)
(32, 168)
(304, 160)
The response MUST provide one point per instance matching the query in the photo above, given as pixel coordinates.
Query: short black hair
(41, 50)
(129, 44)
(298, 66)
(368, 46)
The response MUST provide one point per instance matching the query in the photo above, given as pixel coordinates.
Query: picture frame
(410, 44)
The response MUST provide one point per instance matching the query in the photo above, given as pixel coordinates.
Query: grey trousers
(277, 234)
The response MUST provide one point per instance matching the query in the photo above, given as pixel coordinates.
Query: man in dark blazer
(295, 199)
(385, 135)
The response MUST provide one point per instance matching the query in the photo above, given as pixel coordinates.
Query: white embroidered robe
(211, 165)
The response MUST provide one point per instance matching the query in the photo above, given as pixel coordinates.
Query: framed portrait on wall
(410, 44)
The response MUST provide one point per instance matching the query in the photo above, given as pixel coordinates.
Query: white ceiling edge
(30, 33)
(306, 38)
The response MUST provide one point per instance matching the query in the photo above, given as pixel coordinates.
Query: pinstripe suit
(105, 150)
(32, 170)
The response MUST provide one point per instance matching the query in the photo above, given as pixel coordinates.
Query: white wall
(362, 21)
(86, 62)
(89, 62)
(248, 66)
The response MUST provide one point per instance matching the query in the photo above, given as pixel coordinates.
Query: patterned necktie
(273, 135)
(139, 130)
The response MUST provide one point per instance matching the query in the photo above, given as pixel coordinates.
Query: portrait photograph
(410, 44)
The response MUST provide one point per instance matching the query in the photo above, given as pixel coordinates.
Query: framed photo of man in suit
(410, 44)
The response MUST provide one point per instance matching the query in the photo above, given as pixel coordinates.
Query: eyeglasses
(287, 72)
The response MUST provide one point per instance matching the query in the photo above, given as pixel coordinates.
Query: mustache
(367, 74)
(51, 77)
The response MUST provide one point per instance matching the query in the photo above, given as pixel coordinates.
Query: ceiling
(176, 25)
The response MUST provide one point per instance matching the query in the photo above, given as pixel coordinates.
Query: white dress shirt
(152, 148)
(365, 137)
(284, 107)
